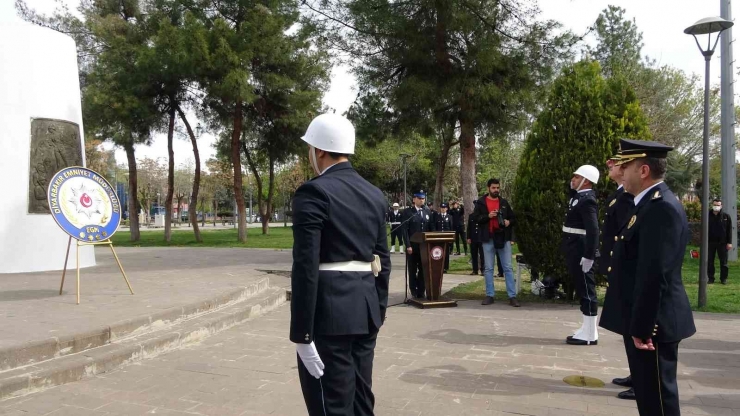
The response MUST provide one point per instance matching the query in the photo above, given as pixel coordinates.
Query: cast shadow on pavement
(455, 336)
(30, 294)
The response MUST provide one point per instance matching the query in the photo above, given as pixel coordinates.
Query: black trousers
(721, 250)
(584, 283)
(396, 234)
(654, 378)
(476, 252)
(416, 274)
(346, 387)
(460, 235)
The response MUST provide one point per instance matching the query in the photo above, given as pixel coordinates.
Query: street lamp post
(706, 26)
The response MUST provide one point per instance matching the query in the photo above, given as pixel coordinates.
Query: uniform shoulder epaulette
(657, 195)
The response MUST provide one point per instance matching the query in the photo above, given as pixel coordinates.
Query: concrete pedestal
(38, 80)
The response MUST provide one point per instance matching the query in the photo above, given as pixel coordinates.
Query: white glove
(586, 264)
(311, 359)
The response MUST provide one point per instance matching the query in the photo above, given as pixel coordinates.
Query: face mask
(716, 209)
(578, 188)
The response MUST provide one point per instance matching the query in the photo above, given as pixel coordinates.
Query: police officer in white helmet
(341, 267)
(579, 245)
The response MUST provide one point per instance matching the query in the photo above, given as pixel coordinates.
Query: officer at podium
(649, 249)
(340, 274)
(444, 222)
(416, 219)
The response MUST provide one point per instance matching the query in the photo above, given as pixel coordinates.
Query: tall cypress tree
(583, 120)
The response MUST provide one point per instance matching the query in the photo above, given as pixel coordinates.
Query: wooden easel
(79, 244)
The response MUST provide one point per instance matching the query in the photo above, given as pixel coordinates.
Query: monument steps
(67, 359)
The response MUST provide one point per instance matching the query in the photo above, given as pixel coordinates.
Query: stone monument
(41, 119)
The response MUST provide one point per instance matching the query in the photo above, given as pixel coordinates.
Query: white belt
(353, 266)
(395, 223)
(574, 230)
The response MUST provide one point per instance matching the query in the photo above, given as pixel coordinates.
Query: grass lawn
(720, 298)
(279, 238)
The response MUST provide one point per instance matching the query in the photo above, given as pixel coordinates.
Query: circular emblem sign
(84, 204)
(437, 253)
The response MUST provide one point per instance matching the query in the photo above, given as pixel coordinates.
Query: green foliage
(693, 211)
(619, 42)
(584, 118)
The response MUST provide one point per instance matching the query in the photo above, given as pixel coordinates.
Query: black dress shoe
(474, 274)
(711, 282)
(574, 341)
(724, 282)
(487, 301)
(624, 382)
(627, 394)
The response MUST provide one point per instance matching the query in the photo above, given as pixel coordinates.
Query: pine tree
(583, 120)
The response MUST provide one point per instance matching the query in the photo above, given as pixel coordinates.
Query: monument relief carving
(55, 144)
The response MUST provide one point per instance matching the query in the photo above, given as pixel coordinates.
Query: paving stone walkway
(469, 360)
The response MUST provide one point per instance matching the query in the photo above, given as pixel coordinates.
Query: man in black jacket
(416, 219)
(339, 281)
(648, 255)
(458, 225)
(618, 206)
(476, 248)
(720, 240)
(496, 219)
(579, 245)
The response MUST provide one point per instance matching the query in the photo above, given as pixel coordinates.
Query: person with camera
(496, 219)
(458, 225)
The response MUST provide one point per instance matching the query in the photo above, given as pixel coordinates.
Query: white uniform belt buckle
(353, 266)
(578, 231)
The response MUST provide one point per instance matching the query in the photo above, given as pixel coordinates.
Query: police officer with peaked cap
(618, 206)
(341, 268)
(579, 245)
(416, 219)
(649, 249)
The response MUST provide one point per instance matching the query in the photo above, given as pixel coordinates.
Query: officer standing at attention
(579, 244)
(648, 256)
(444, 223)
(394, 218)
(720, 241)
(416, 219)
(341, 268)
(618, 206)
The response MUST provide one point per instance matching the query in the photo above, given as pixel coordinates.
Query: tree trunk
(133, 197)
(170, 176)
(236, 161)
(439, 182)
(467, 163)
(193, 213)
(270, 196)
(258, 179)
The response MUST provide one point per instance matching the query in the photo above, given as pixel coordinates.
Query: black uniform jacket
(503, 234)
(413, 223)
(394, 217)
(618, 206)
(443, 222)
(474, 229)
(458, 218)
(583, 215)
(648, 299)
(338, 217)
(720, 228)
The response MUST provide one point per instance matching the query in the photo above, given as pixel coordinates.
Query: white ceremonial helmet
(331, 133)
(395, 205)
(589, 172)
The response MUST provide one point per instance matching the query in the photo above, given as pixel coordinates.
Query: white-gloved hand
(586, 264)
(311, 359)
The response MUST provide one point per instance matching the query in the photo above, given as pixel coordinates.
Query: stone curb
(74, 367)
(35, 352)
